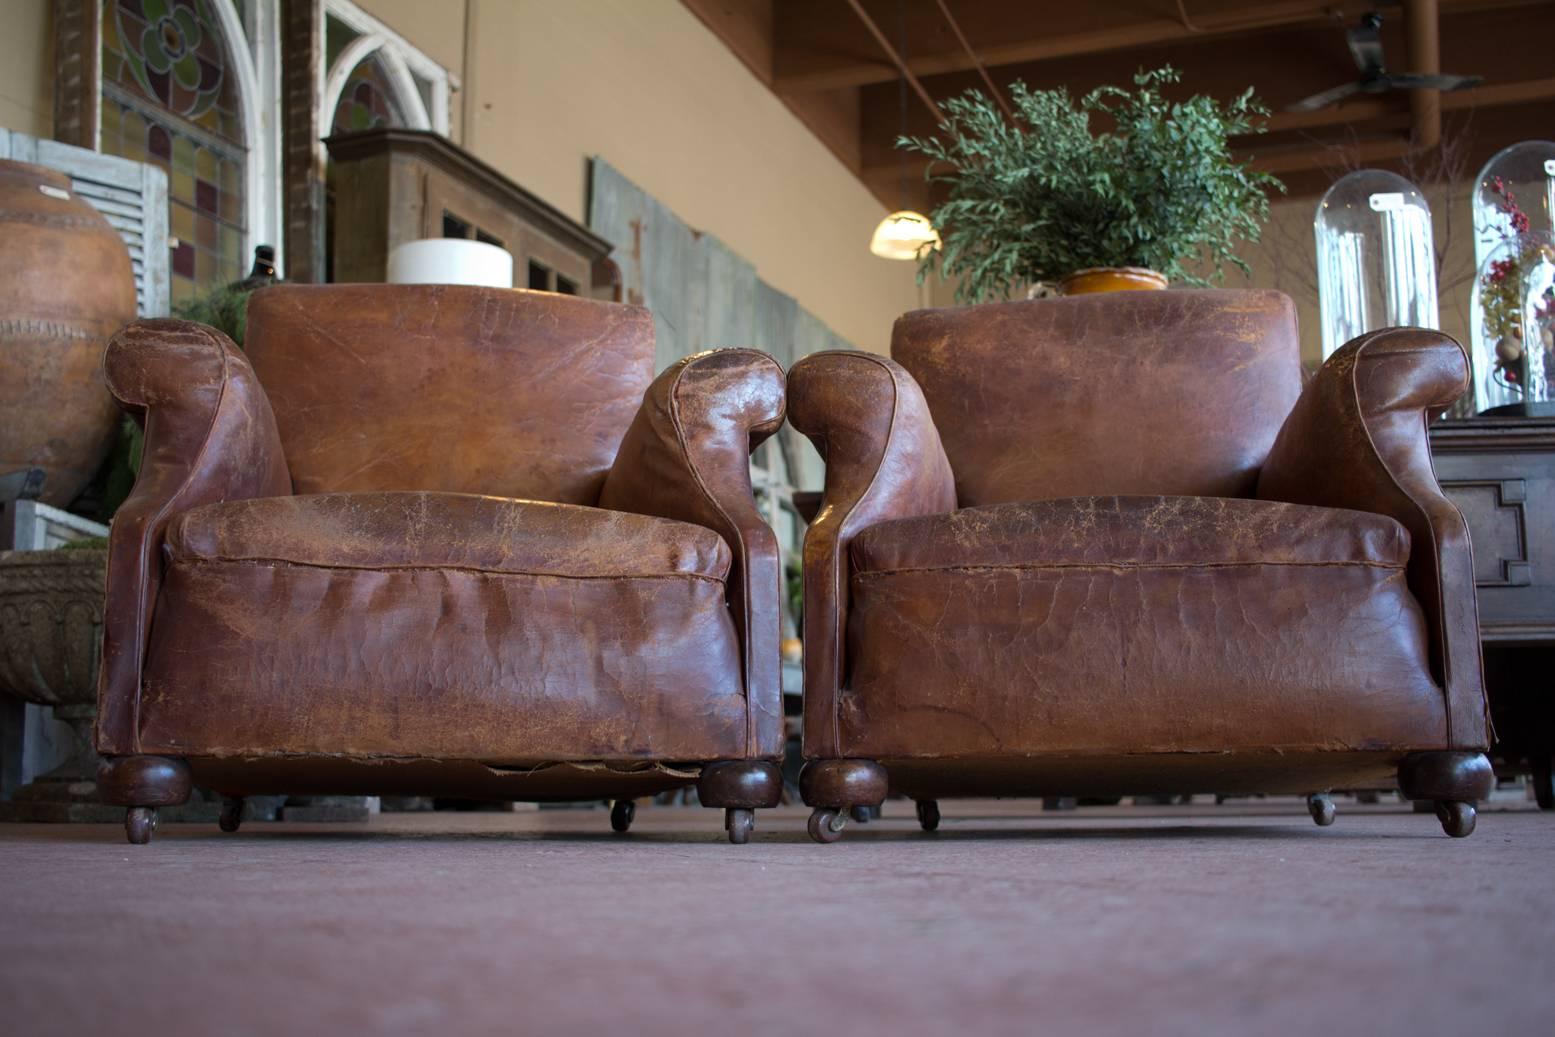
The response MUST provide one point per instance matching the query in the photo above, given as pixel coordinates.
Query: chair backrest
(1174, 392)
(438, 387)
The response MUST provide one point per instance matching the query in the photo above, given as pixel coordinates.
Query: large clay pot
(1111, 279)
(66, 285)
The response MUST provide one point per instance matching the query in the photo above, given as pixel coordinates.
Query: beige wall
(26, 67)
(642, 84)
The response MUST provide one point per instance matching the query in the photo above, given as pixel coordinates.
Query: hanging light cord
(896, 59)
(971, 54)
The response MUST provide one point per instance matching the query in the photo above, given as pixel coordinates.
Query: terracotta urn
(1111, 279)
(66, 285)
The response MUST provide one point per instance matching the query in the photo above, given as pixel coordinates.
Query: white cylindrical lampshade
(451, 261)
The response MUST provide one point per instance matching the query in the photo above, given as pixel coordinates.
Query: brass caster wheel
(621, 815)
(139, 823)
(1321, 806)
(826, 825)
(928, 814)
(231, 815)
(1457, 818)
(739, 824)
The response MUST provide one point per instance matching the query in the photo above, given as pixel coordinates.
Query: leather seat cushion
(1134, 531)
(442, 626)
(401, 530)
(1135, 624)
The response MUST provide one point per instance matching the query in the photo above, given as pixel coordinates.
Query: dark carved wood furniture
(1111, 545)
(1501, 474)
(392, 186)
(435, 540)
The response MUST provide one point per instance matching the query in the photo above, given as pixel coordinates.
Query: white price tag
(1386, 201)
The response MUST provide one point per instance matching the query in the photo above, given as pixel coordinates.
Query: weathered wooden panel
(703, 295)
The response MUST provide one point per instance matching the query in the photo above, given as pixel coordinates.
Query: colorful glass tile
(367, 100)
(168, 99)
(170, 52)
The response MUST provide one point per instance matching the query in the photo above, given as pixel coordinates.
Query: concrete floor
(1242, 919)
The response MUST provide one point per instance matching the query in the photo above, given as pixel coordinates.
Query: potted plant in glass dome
(1045, 198)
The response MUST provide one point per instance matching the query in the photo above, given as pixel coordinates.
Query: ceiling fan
(1366, 47)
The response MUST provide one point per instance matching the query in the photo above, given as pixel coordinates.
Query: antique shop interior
(985, 514)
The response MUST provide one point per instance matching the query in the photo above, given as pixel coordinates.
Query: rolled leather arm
(210, 436)
(1357, 439)
(686, 456)
(884, 460)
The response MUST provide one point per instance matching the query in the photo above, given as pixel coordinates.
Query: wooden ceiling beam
(1422, 22)
(846, 71)
(796, 70)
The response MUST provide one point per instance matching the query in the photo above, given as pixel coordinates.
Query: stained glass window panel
(367, 101)
(169, 99)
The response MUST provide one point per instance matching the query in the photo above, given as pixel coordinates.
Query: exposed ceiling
(828, 60)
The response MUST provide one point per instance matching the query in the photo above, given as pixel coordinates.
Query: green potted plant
(1045, 198)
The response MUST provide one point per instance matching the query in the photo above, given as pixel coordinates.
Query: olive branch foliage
(1041, 196)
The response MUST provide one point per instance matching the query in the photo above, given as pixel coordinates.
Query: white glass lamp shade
(1376, 267)
(451, 261)
(1513, 321)
(904, 235)
(1514, 194)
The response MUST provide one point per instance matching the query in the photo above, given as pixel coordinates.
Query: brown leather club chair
(1174, 569)
(440, 541)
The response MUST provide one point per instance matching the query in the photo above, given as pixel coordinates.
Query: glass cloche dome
(1513, 323)
(1375, 263)
(1514, 222)
(1514, 194)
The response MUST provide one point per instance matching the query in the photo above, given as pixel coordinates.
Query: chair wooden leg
(142, 783)
(739, 787)
(1544, 781)
(834, 788)
(231, 813)
(1454, 781)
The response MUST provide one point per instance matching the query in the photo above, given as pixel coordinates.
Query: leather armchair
(440, 540)
(1110, 545)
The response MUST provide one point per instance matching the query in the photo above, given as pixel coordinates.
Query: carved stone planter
(51, 617)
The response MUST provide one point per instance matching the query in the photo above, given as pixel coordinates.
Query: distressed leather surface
(453, 388)
(1178, 392)
(391, 613)
(1135, 625)
(1133, 531)
(1357, 439)
(253, 657)
(449, 531)
(210, 436)
(1083, 614)
(686, 456)
(884, 460)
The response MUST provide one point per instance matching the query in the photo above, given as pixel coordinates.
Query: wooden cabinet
(390, 186)
(1501, 474)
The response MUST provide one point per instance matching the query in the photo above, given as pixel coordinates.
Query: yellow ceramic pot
(1112, 279)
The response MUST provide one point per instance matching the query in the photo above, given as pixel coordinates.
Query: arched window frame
(402, 61)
